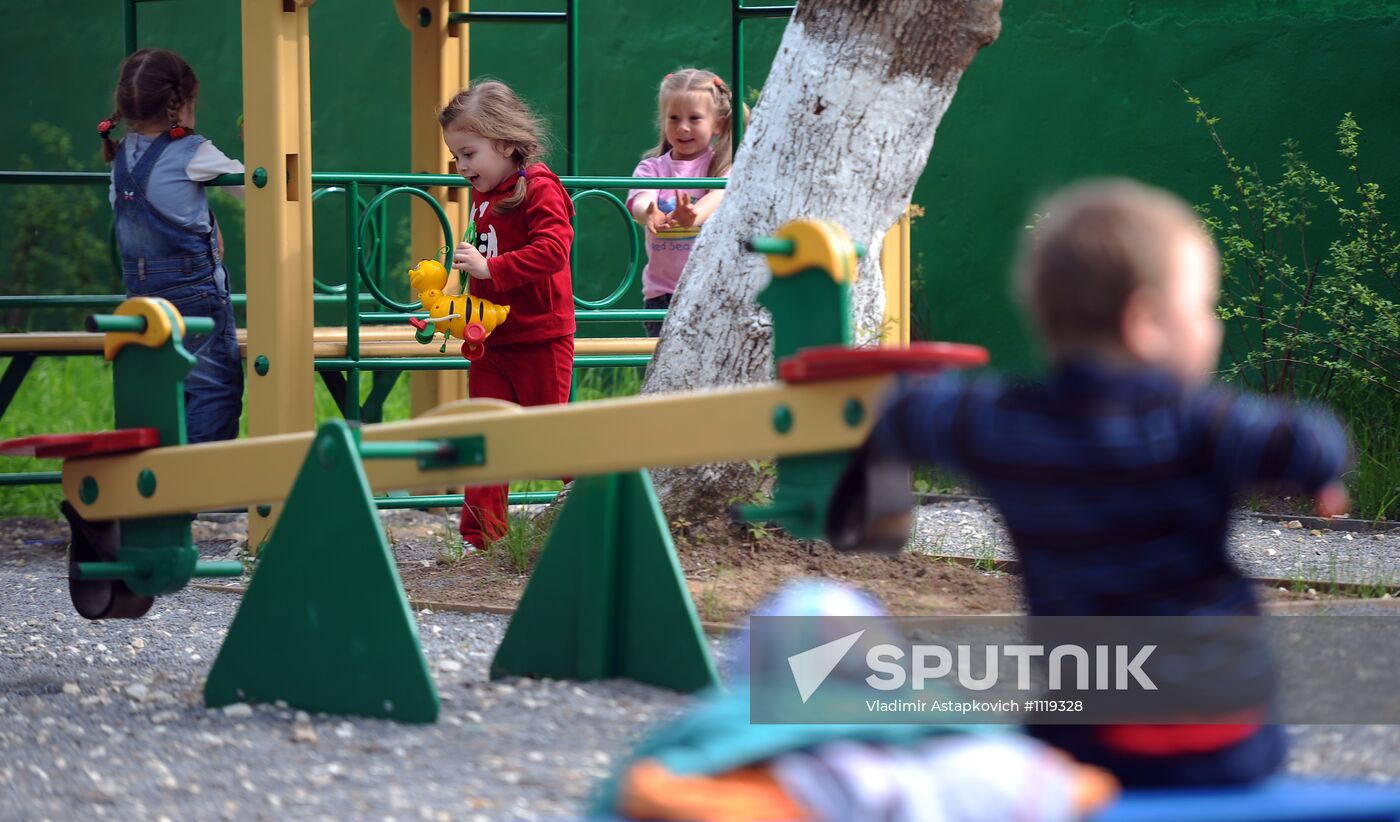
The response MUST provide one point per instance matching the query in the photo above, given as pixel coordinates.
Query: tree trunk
(842, 132)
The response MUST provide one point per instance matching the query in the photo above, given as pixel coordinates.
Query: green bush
(1311, 273)
(56, 237)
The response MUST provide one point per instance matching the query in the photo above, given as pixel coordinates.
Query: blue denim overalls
(162, 258)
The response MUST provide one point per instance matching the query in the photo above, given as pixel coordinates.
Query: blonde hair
(1098, 243)
(700, 81)
(492, 110)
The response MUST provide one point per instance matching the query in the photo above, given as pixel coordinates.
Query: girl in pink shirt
(695, 107)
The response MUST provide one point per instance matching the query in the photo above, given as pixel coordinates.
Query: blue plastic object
(1278, 800)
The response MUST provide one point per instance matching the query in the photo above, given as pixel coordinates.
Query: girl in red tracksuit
(520, 259)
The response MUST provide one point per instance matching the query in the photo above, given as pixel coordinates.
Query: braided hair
(153, 85)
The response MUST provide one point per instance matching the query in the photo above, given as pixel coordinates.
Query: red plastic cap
(417, 323)
(474, 332)
(472, 351)
(837, 362)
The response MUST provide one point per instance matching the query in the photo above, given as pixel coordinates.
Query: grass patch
(710, 607)
(1378, 588)
(930, 479)
(606, 383)
(1372, 417)
(523, 542)
(61, 395)
(986, 560)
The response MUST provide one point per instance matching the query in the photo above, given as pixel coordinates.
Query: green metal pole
(772, 245)
(14, 377)
(459, 364)
(381, 221)
(32, 478)
(129, 21)
(227, 568)
(786, 248)
(137, 325)
(391, 317)
(750, 12)
(571, 107)
(738, 16)
(455, 500)
(620, 315)
(459, 17)
(105, 570)
(334, 178)
(736, 45)
(114, 300)
(130, 570)
(352, 299)
(403, 450)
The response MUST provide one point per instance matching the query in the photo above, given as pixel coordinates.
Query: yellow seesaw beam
(603, 436)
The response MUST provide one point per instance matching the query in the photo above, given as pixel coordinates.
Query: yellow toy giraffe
(472, 319)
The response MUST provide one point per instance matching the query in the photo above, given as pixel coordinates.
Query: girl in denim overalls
(170, 243)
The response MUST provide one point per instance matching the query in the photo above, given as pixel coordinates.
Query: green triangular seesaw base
(607, 597)
(325, 625)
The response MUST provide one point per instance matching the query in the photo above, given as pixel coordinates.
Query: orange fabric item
(649, 791)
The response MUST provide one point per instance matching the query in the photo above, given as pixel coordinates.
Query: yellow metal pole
(894, 265)
(277, 136)
(439, 69)
(580, 439)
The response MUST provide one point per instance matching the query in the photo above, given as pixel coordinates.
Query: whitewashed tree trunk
(842, 132)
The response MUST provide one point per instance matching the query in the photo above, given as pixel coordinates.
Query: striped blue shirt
(1116, 484)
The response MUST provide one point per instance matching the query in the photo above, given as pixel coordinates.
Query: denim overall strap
(163, 239)
(163, 258)
(142, 173)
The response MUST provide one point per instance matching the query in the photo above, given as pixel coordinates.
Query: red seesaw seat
(837, 362)
(52, 446)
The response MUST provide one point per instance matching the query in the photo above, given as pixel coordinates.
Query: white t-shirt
(208, 162)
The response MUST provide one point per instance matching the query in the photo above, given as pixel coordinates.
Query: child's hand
(657, 219)
(1333, 500)
(467, 258)
(685, 213)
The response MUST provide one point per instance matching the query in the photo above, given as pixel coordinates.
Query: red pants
(535, 373)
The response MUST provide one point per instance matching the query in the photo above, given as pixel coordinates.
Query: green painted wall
(1075, 89)
(1070, 89)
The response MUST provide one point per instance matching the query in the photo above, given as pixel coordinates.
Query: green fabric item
(716, 737)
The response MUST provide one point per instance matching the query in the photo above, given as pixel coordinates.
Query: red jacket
(527, 252)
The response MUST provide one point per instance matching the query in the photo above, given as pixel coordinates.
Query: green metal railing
(366, 261)
(361, 215)
(569, 17)
(129, 22)
(739, 15)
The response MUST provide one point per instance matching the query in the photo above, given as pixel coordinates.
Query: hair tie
(521, 172)
(719, 82)
(104, 128)
(177, 132)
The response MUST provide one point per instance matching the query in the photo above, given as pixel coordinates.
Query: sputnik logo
(811, 668)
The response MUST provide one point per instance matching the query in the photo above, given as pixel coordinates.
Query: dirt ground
(729, 571)
(728, 568)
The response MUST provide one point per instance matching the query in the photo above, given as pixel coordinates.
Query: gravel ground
(106, 719)
(1262, 548)
(109, 717)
